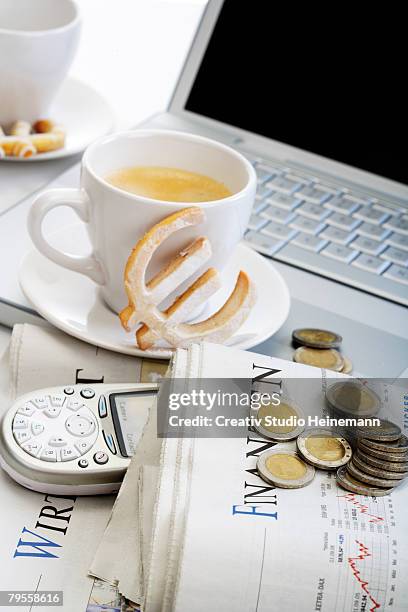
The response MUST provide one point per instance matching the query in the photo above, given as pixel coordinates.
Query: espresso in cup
(168, 184)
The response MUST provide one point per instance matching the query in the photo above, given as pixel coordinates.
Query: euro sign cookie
(144, 298)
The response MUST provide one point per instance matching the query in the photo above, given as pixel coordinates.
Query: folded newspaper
(48, 541)
(196, 529)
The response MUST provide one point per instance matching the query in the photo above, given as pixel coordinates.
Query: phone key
(343, 222)
(309, 242)
(279, 215)
(256, 222)
(83, 446)
(313, 211)
(263, 243)
(52, 411)
(28, 409)
(371, 214)
(37, 428)
(32, 447)
(57, 400)
(22, 436)
(310, 226)
(376, 232)
(277, 230)
(57, 441)
(67, 454)
(283, 200)
(75, 404)
(41, 402)
(315, 194)
(397, 256)
(371, 264)
(49, 454)
(339, 252)
(367, 245)
(20, 422)
(334, 234)
(399, 224)
(397, 240)
(397, 273)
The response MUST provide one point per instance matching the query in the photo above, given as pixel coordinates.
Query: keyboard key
(313, 211)
(371, 264)
(339, 252)
(343, 222)
(310, 226)
(388, 209)
(258, 206)
(371, 214)
(376, 232)
(343, 204)
(284, 184)
(282, 200)
(277, 230)
(337, 235)
(263, 243)
(315, 194)
(367, 245)
(262, 192)
(396, 256)
(262, 174)
(397, 240)
(397, 273)
(309, 242)
(279, 215)
(256, 222)
(399, 224)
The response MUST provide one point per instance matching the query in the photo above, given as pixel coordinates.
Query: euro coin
(346, 481)
(385, 456)
(373, 471)
(348, 366)
(386, 431)
(329, 359)
(280, 422)
(397, 446)
(316, 338)
(351, 398)
(368, 479)
(324, 449)
(401, 468)
(284, 469)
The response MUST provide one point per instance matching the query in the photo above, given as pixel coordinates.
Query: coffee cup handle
(78, 200)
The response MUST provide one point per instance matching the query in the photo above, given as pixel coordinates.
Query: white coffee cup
(38, 41)
(117, 219)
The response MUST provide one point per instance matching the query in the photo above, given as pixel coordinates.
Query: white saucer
(73, 303)
(84, 114)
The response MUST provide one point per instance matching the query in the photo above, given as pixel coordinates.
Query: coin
(348, 366)
(284, 412)
(352, 399)
(285, 469)
(324, 449)
(371, 480)
(397, 446)
(387, 456)
(373, 471)
(401, 468)
(329, 359)
(345, 480)
(316, 338)
(385, 432)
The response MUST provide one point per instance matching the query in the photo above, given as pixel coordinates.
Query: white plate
(73, 303)
(83, 113)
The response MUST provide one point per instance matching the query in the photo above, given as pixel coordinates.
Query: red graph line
(351, 497)
(364, 552)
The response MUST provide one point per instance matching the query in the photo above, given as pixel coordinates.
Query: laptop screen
(318, 77)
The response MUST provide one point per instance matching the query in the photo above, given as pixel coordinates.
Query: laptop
(317, 107)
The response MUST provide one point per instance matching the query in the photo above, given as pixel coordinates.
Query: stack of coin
(319, 348)
(380, 462)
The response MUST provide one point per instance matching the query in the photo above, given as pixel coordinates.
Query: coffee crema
(168, 184)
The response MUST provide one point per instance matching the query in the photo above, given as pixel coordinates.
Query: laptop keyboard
(353, 238)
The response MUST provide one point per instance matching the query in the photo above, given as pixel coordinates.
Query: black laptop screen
(316, 76)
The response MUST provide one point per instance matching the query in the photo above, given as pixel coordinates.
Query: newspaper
(48, 541)
(223, 539)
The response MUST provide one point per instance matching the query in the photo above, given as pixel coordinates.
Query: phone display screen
(129, 413)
